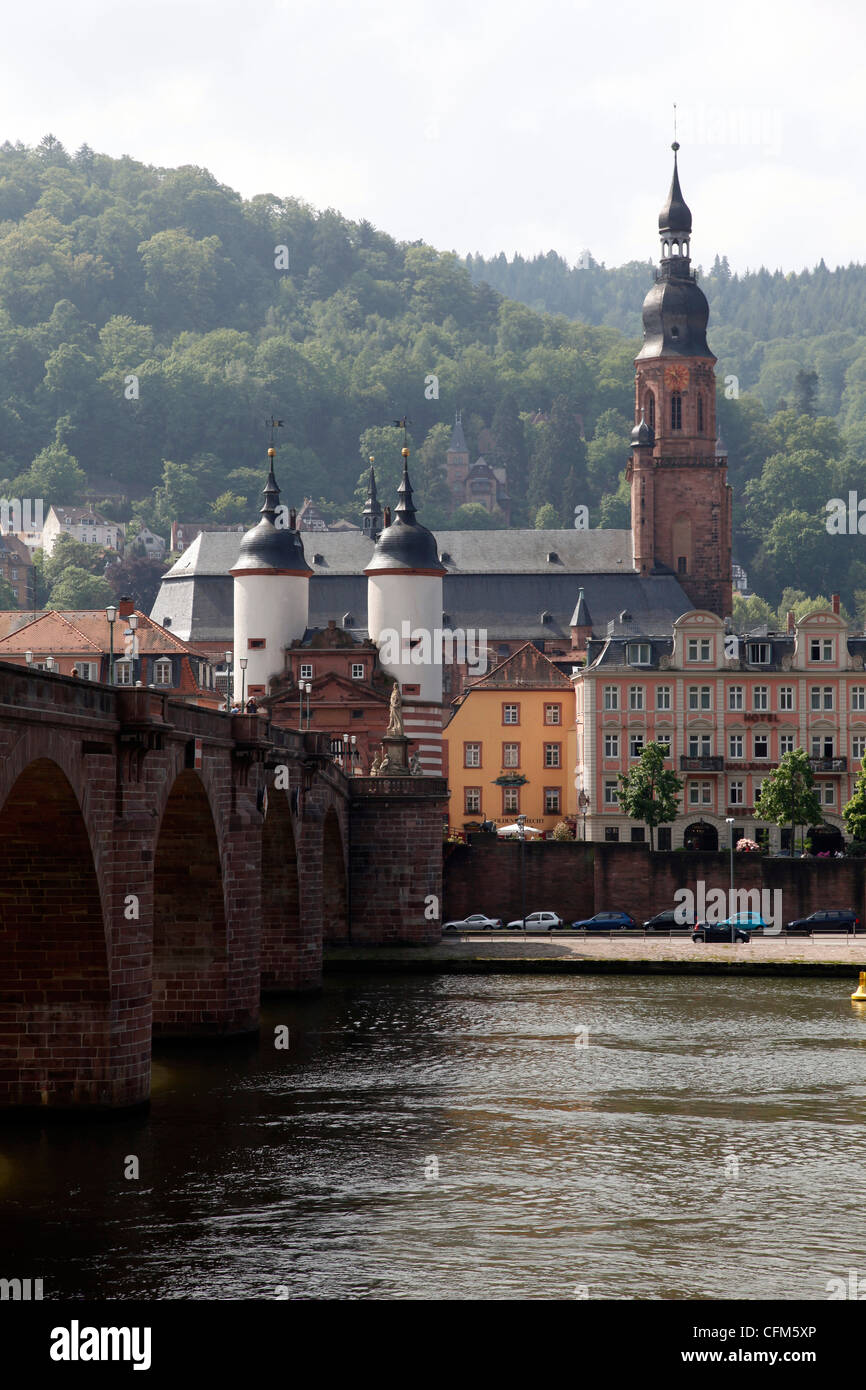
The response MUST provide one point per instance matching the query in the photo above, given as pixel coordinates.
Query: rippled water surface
(708, 1142)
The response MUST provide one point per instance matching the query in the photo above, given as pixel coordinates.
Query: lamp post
(346, 754)
(729, 820)
(354, 753)
(583, 803)
(521, 835)
(49, 663)
(243, 665)
(133, 629)
(228, 657)
(111, 615)
(28, 657)
(309, 689)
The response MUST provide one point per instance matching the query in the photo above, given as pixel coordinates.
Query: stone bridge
(162, 865)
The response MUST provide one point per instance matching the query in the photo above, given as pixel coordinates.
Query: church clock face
(676, 378)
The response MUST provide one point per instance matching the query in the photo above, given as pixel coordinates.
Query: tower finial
(675, 146)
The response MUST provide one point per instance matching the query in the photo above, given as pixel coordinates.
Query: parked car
(833, 919)
(538, 921)
(739, 927)
(668, 921)
(606, 921)
(477, 922)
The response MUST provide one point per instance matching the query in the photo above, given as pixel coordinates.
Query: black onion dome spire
(272, 545)
(643, 436)
(675, 312)
(675, 217)
(405, 544)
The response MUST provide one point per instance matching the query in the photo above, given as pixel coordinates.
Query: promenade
(501, 953)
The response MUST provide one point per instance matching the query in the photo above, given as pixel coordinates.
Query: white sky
(479, 125)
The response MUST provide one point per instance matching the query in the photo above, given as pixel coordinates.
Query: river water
(473, 1137)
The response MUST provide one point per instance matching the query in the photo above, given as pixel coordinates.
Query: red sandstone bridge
(162, 865)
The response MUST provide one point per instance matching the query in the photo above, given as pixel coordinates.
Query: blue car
(736, 928)
(606, 921)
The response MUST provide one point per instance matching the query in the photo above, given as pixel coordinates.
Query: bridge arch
(55, 991)
(282, 933)
(335, 897)
(190, 946)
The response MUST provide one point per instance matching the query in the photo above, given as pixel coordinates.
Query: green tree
(854, 812)
(788, 795)
(473, 517)
(7, 595)
(650, 791)
(751, 612)
(546, 518)
(78, 589)
(229, 507)
(54, 475)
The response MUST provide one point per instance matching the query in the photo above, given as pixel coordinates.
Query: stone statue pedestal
(396, 748)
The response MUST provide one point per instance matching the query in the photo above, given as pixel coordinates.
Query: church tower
(457, 463)
(680, 499)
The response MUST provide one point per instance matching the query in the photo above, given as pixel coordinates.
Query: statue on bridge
(395, 722)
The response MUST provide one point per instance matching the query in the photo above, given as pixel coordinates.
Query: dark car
(669, 921)
(737, 928)
(606, 921)
(832, 919)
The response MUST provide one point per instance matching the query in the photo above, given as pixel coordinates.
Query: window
(736, 795)
(700, 697)
(821, 697)
(13, 574)
(663, 837)
(256, 644)
(123, 672)
(826, 793)
(511, 714)
(756, 789)
(552, 755)
(635, 697)
(762, 746)
(651, 410)
(665, 741)
(611, 794)
(611, 745)
(611, 697)
(699, 649)
(472, 755)
(735, 697)
(858, 746)
(700, 793)
(611, 833)
(700, 745)
(858, 697)
(759, 653)
(663, 697)
(552, 800)
(511, 799)
(635, 745)
(162, 673)
(638, 835)
(472, 800)
(786, 744)
(821, 649)
(823, 746)
(676, 411)
(735, 747)
(306, 671)
(638, 654)
(357, 670)
(511, 755)
(760, 697)
(786, 697)
(700, 414)
(553, 714)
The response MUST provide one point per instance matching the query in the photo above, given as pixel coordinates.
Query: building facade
(82, 524)
(728, 707)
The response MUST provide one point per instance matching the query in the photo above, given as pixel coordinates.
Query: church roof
(458, 443)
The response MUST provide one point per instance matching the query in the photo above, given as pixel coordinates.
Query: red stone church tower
(680, 499)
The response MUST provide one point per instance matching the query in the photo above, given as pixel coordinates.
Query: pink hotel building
(727, 719)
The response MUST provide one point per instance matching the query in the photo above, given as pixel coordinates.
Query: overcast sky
(479, 125)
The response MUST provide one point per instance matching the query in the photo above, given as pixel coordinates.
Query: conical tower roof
(271, 546)
(675, 216)
(406, 544)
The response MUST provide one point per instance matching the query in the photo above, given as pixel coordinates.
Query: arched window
(665, 249)
(676, 411)
(651, 410)
(700, 414)
(162, 673)
(676, 248)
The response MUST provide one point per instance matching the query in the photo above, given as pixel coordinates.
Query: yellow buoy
(859, 995)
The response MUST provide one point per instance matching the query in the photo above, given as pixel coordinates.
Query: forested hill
(151, 320)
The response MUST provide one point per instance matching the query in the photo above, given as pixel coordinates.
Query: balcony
(708, 764)
(828, 764)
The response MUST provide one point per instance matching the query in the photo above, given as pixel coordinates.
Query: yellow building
(511, 745)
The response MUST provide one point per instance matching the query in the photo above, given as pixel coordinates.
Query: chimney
(834, 599)
(125, 606)
(790, 622)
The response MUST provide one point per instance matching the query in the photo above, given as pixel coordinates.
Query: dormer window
(445, 557)
(552, 557)
(318, 559)
(348, 620)
(638, 654)
(759, 653)
(546, 617)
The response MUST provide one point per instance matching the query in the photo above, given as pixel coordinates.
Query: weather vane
(273, 424)
(403, 424)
